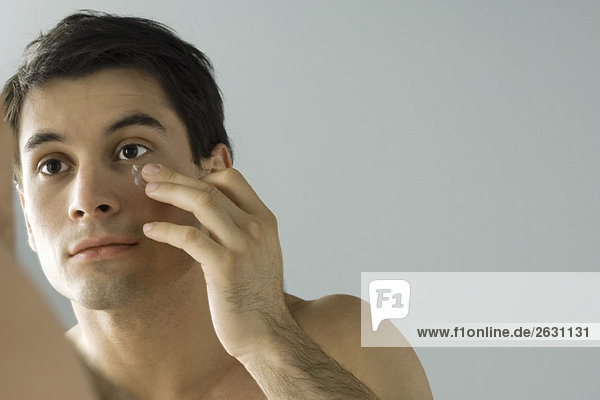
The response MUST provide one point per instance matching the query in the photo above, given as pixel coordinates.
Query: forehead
(91, 101)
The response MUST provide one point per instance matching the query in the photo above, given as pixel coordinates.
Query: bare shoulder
(334, 322)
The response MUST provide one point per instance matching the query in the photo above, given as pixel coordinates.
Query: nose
(93, 195)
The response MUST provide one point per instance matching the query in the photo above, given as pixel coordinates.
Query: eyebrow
(42, 137)
(138, 118)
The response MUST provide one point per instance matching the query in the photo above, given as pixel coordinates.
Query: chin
(114, 287)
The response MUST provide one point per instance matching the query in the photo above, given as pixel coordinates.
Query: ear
(29, 232)
(219, 158)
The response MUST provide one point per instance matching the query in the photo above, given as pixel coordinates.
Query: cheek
(45, 219)
(42, 206)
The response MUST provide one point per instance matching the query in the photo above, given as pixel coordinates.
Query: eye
(130, 151)
(52, 167)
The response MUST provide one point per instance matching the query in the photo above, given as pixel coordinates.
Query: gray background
(405, 136)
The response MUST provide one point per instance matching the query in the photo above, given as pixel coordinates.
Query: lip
(102, 252)
(101, 247)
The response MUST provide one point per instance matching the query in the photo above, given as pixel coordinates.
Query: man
(177, 286)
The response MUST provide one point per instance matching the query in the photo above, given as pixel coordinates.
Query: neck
(159, 348)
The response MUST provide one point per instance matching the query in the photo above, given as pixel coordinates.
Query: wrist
(277, 339)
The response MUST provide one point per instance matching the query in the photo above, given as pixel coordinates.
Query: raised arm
(36, 360)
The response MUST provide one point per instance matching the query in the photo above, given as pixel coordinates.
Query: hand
(238, 250)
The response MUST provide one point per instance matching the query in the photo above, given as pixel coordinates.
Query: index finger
(229, 181)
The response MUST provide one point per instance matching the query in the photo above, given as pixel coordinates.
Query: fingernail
(151, 186)
(148, 227)
(151, 169)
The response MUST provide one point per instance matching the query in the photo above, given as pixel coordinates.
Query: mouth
(103, 252)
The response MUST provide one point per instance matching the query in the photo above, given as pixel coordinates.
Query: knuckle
(229, 258)
(189, 235)
(171, 175)
(207, 196)
(231, 173)
(272, 219)
(255, 229)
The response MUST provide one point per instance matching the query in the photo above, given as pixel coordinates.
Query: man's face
(79, 139)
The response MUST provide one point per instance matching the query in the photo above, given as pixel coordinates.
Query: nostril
(103, 208)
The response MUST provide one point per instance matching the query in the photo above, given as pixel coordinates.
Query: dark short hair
(88, 41)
